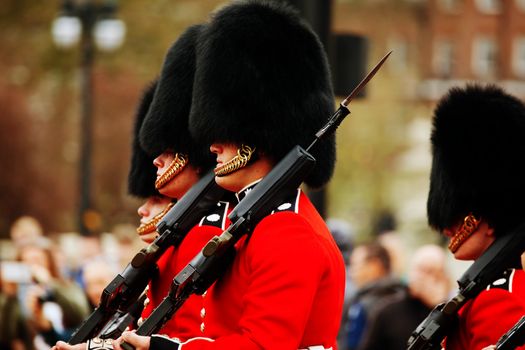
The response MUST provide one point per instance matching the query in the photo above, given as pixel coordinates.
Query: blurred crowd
(387, 297)
(49, 286)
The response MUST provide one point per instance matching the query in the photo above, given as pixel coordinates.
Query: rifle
(121, 320)
(502, 254)
(514, 337)
(216, 256)
(126, 287)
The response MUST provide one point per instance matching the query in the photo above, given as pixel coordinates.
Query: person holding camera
(53, 305)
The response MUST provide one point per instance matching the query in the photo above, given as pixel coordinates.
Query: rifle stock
(120, 321)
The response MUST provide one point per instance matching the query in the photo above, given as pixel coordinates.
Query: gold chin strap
(244, 154)
(151, 225)
(176, 166)
(470, 224)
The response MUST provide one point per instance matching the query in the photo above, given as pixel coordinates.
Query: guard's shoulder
(505, 281)
(290, 203)
(217, 216)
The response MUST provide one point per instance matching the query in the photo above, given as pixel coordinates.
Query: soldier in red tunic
(261, 87)
(477, 193)
(179, 162)
(142, 175)
(162, 125)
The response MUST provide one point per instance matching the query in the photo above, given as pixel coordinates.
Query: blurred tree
(40, 109)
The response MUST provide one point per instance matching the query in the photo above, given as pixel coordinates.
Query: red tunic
(284, 290)
(186, 321)
(483, 320)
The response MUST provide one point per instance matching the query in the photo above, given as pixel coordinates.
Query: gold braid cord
(99, 344)
(151, 225)
(244, 154)
(176, 166)
(470, 224)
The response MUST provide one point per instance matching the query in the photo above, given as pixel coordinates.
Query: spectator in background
(96, 275)
(384, 228)
(55, 306)
(428, 285)
(128, 243)
(370, 271)
(344, 236)
(15, 333)
(25, 229)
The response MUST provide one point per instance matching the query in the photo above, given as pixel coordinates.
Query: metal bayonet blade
(365, 80)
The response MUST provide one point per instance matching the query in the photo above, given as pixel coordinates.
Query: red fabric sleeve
(490, 315)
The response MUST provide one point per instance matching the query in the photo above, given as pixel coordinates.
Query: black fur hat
(142, 173)
(478, 146)
(166, 124)
(263, 80)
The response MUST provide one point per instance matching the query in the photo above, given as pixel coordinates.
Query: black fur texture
(166, 124)
(478, 145)
(142, 173)
(263, 79)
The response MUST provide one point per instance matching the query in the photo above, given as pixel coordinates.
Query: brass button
(202, 327)
(146, 302)
(140, 321)
(203, 312)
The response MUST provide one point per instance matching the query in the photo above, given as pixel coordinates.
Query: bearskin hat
(263, 80)
(166, 124)
(142, 173)
(478, 144)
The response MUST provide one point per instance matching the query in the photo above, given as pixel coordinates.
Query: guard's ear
(490, 231)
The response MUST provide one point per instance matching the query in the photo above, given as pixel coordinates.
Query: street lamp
(92, 23)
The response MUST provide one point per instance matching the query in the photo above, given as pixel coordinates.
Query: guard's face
(240, 178)
(224, 153)
(179, 184)
(148, 211)
(475, 244)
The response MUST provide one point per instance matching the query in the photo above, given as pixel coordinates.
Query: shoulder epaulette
(291, 203)
(504, 281)
(217, 216)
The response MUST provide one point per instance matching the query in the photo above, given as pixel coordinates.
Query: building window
(521, 4)
(443, 58)
(484, 57)
(518, 56)
(450, 6)
(399, 59)
(489, 6)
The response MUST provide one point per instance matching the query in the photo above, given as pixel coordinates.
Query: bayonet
(343, 110)
(365, 81)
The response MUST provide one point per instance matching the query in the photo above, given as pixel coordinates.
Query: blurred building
(437, 44)
(445, 42)
(473, 40)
